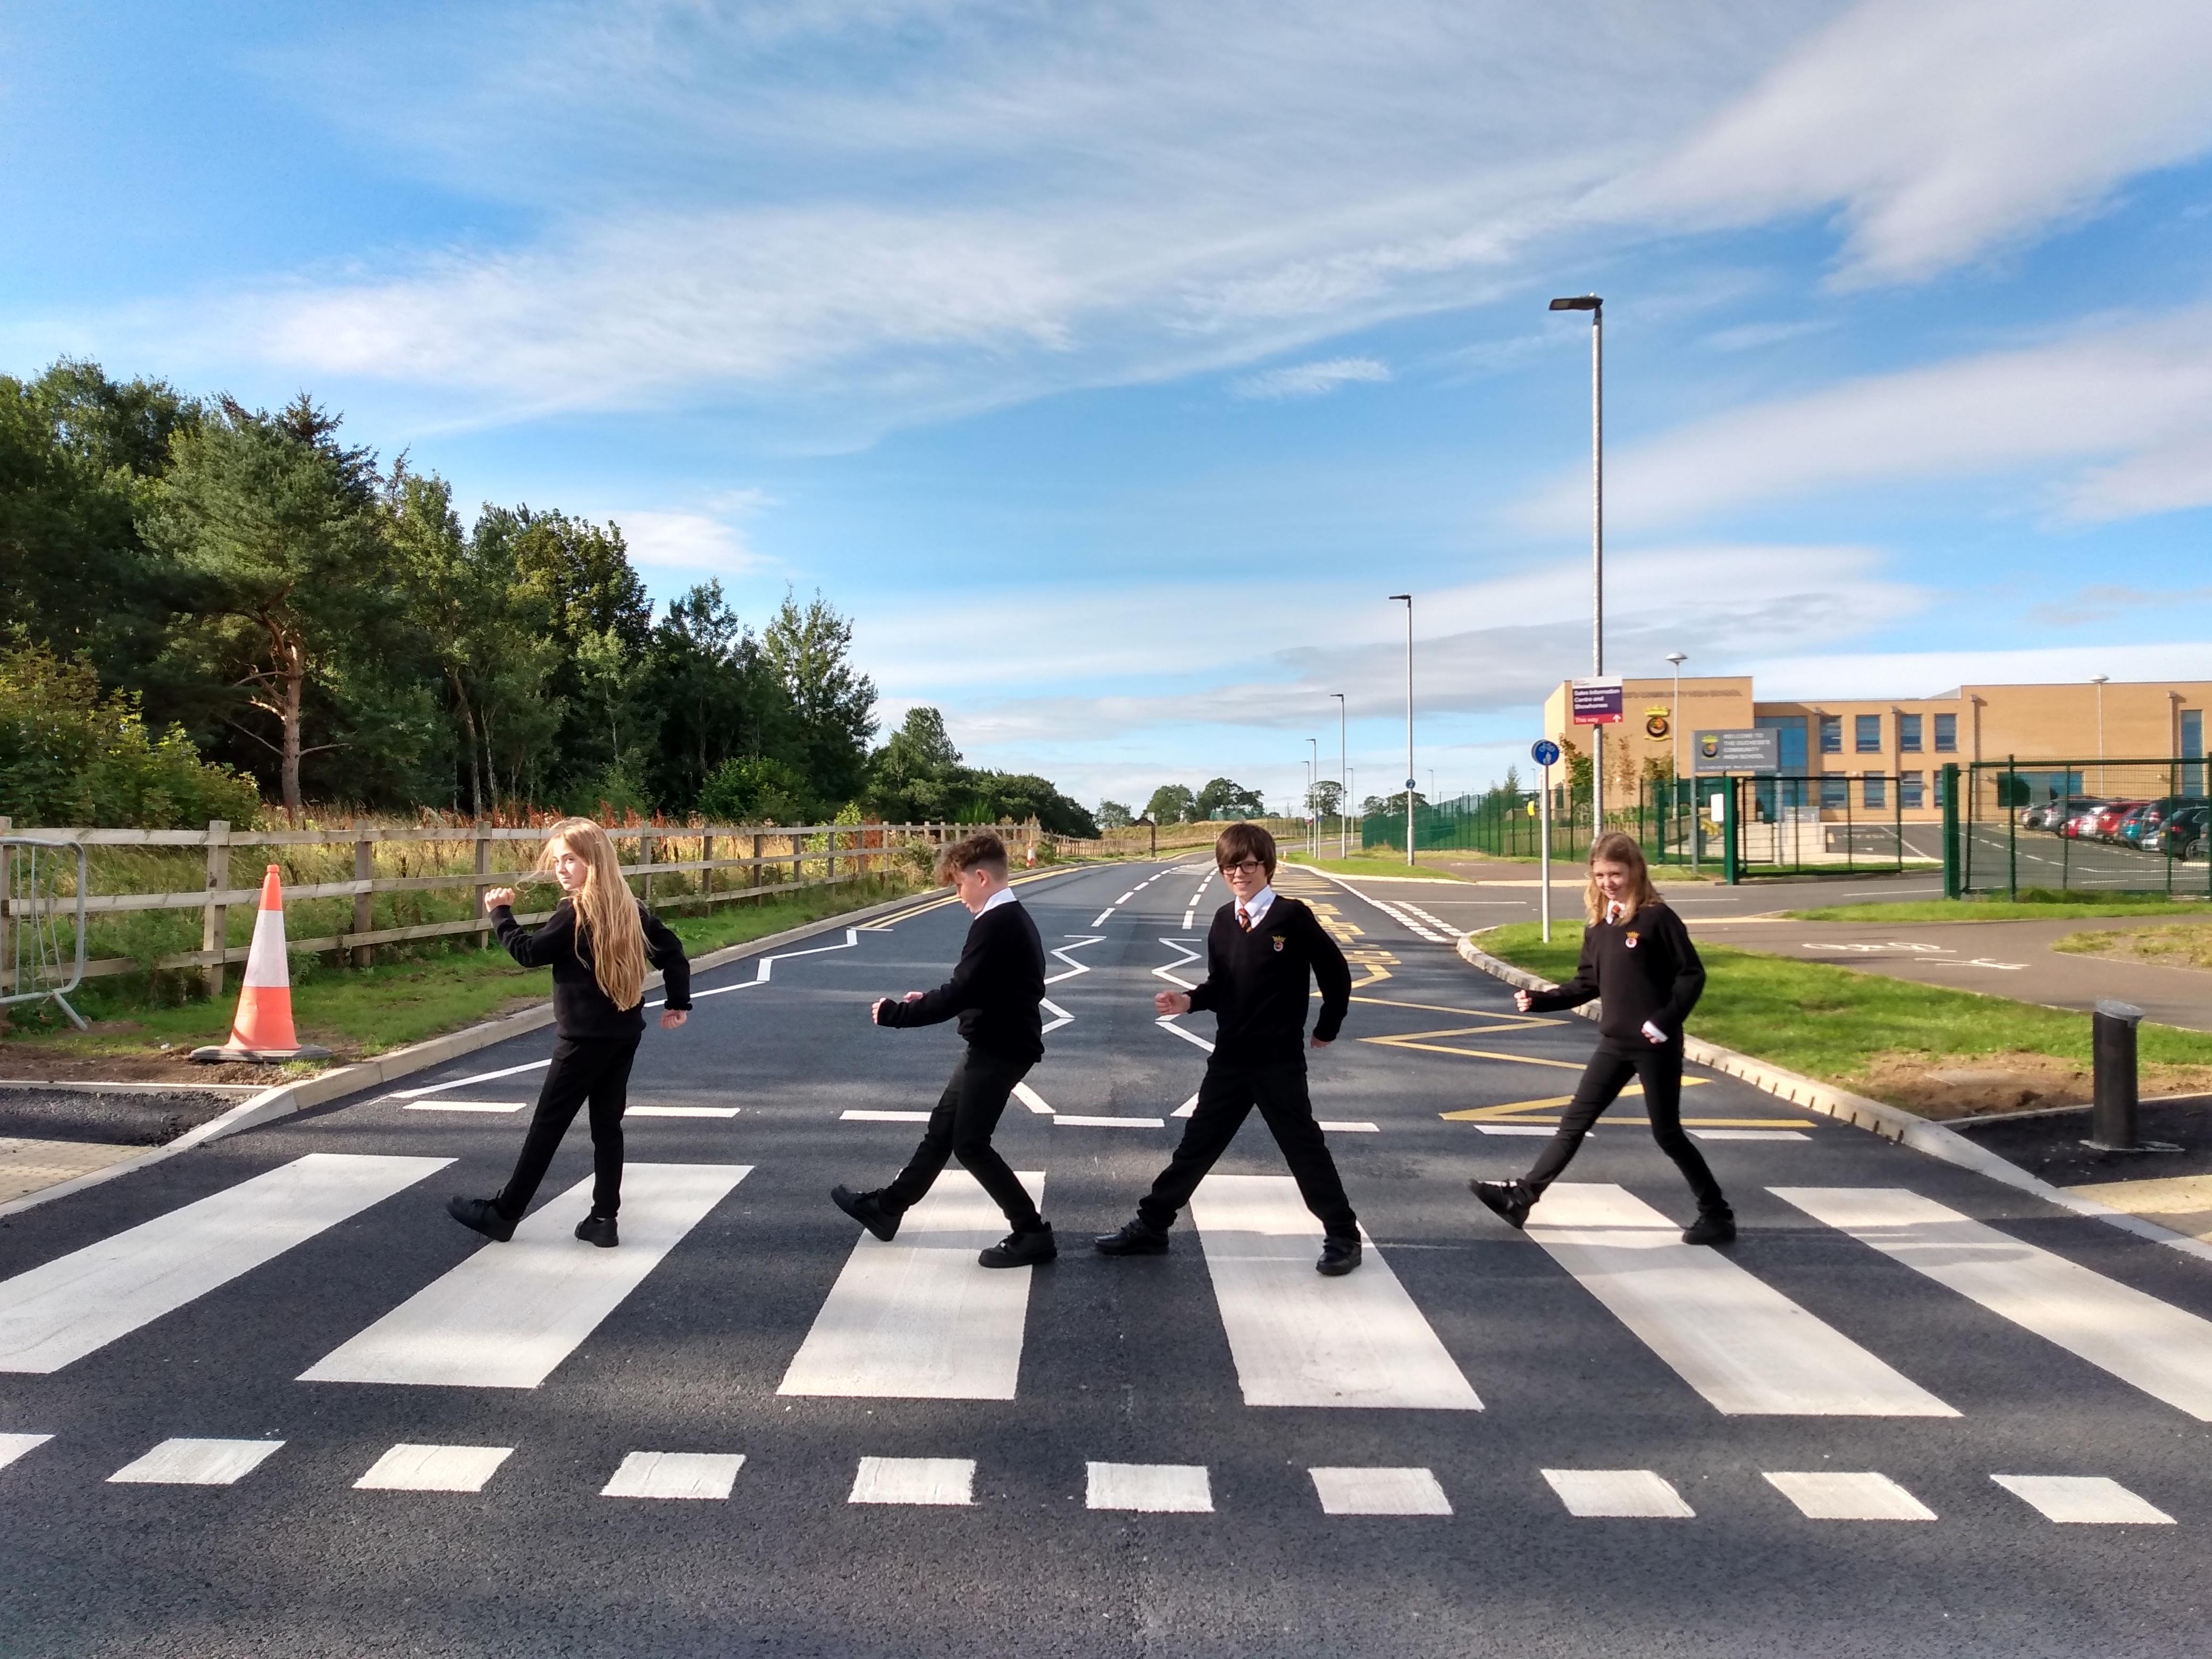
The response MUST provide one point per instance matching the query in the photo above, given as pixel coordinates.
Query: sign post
(1546, 754)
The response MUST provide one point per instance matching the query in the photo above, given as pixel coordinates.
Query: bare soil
(2181, 945)
(1949, 1086)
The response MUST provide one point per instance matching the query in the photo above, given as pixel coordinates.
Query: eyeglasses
(1249, 866)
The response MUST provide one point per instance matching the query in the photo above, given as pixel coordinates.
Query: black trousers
(1660, 1067)
(1225, 1099)
(961, 1124)
(584, 1069)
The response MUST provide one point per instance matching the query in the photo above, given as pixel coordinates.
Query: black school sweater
(995, 989)
(1256, 984)
(1644, 968)
(580, 1009)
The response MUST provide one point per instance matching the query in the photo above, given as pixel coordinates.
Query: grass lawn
(1374, 865)
(2185, 945)
(1882, 1037)
(360, 1011)
(2038, 905)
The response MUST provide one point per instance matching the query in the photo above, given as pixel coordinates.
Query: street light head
(1578, 302)
(1677, 658)
(2099, 679)
(1408, 597)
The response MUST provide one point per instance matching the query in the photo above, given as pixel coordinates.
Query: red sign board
(1595, 703)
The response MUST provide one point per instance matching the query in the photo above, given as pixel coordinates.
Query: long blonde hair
(606, 910)
(1616, 846)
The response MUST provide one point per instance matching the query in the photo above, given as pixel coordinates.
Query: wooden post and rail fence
(773, 858)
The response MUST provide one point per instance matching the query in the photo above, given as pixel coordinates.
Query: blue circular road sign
(1544, 752)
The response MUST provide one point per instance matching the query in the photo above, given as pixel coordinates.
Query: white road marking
(1299, 1339)
(1030, 1098)
(1079, 1122)
(1077, 941)
(1168, 1024)
(675, 1474)
(13, 1446)
(934, 1481)
(1379, 1492)
(2166, 1353)
(1835, 1495)
(411, 1467)
(1741, 1343)
(511, 1313)
(1127, 896)
(1529, 1130)
(1168, 972)
(1630, 1493)
(1062, 1016)
(85, 1300)
(466, 1105)
(195, 1463)
(477, 1077)
(1189, 1107)
(921, 1318)
(1338, 1126)
(1187, 919)
(882, 1117)
(1150, 1488)
(1099, 920)
(2091, 1500)
(1751, 1134)
(682, 1111)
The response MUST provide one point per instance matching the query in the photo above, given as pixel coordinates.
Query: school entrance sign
(1595, 703)
(1755, 749)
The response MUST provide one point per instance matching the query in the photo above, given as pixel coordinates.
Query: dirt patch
(1950, 1085)
(2182, 944)
(51, 1062)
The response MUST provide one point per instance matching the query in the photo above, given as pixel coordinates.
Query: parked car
(2096, 823)
(2182, 835)
(2148, 818)
(2054, 815)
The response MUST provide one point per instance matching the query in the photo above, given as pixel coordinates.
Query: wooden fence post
(760, 850)
(364, 903)
(215, 919)
(484, 868)
(707, 875)
(647, 848)
(7, 902)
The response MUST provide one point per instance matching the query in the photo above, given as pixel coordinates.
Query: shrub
(753, 791)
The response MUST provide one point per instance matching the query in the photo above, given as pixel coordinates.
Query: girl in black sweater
(1637, 955)
(596, 942)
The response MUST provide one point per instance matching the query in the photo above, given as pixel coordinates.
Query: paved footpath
(264, 1398)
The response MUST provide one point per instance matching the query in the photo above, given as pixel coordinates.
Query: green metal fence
(2080, 826)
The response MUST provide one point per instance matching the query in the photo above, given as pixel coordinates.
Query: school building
(1856, 751)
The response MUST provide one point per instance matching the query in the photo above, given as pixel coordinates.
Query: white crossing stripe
(882, 1117)
(1637, 1494)
(1833, 1495)
(682, 1111)
(1380, 1491)
(1299, 1339)
(511, 1312)
(446, 1105)
(1030, 1098)
(1150, 1488)
(1741, 1343)
(13, 1446)
(1169, 1024)
(1078, 1122)
(675, 1474)
(474, 1077)
(409, 1467)
(919, 1318)
(84, 1300)
(1751, 1134)
(2091, 1500)
(195, 1463)
(2166, 1353)
(935, 1480)
(1337, 1126)
(1529, 1130)
(1188, 1109)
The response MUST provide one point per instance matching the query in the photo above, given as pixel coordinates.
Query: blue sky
(1109, 365)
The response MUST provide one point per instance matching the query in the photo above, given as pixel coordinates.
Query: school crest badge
(1630, 937)
(1276, 939)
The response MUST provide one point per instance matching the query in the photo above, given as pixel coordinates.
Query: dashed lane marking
(1840, 1495)
(2092, 1500)
(1150, 1488)
(882, 1117)
(474, 1077)
(1638, 1494)
(411, 1467)
(195, 1463)
(1379, 1492)
(937, 1482)
(707, 1475)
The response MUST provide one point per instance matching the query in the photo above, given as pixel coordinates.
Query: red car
(2104, 823)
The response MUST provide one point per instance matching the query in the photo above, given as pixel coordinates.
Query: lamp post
(1675, 722)
(2098, 680)
(1343, 780)
(1595, 306)
(1410, 786)
(1313, 801)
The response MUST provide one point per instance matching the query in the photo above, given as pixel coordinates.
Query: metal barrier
(37, 967)
(2083, 825)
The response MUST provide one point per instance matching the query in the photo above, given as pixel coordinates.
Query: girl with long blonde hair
(1638, 957)
(597, 942)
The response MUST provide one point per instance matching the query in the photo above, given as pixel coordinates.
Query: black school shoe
(1024, 1248)
(1711, 1227)
(1508, 1200)
(481, 1215)
(1136, 1238)
(1339, 1256)
(598, 1230)
(867, 1209)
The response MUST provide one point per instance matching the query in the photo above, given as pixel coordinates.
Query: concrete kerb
(1887, 1121)
(284, 1099)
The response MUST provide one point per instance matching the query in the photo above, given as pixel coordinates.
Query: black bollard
(2112, 1042)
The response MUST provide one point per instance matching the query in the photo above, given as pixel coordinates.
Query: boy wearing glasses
(1258, 955)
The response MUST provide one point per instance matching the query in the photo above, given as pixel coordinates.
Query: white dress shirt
(1004, 895)
(1257, 907)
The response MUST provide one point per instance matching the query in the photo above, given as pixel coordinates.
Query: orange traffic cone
(262, 1029)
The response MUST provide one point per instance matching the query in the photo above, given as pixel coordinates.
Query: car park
(2146, 819)
(2181, 835)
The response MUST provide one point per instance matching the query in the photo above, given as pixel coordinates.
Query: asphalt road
(1642, 1375)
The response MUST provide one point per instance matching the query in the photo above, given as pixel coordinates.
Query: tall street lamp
(1595, 306)
(1410, 784)
(1313, 801)
(1343, 780)
(1675, 722)
(2098, 680)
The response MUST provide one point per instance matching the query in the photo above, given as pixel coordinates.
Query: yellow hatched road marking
(1514, 1107)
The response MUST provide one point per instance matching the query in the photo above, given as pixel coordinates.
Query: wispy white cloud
(1924, 673)
(1310, 380)
(2101, 601)
(1755, 336)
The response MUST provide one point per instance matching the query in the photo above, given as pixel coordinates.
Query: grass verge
(360, 1011)
(1359, 865)
(2186, 944)
(2041, 907)
(1938, 1052)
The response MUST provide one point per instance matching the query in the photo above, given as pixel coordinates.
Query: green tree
(748, 789)
(1325, 798)
(1222, 799)
(1112, 814)
(1172, 802)
(710, 690)
(808, 649)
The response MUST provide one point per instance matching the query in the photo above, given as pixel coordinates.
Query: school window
(1832, 734)
(1874, 790)
(1946, 734)
(1939, 788)
(1908, 733)
(1908, 789)
(1868, 734)
(1836, 792)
